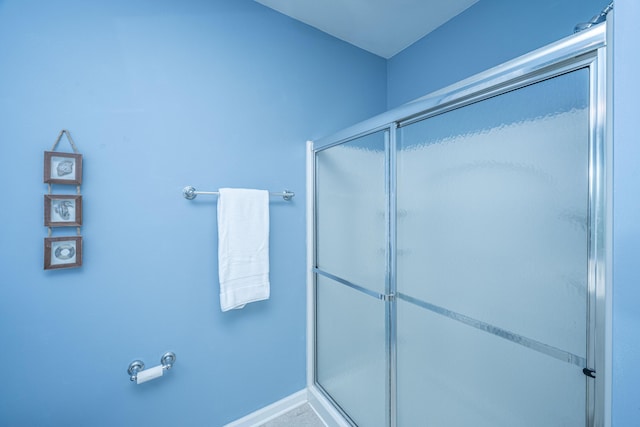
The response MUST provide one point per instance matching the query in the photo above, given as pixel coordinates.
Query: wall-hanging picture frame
(62, 252)
(61, 210)
(62, 168)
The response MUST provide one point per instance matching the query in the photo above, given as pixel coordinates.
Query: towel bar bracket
(135, 367)
(189, 192)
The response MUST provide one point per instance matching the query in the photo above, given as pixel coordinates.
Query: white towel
(243, 246)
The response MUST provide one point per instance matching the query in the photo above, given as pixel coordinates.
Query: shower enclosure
(460, 251)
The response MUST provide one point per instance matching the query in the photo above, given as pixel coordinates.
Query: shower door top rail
(568, 49)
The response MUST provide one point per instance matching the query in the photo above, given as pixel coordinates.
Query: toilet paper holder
(137, 366)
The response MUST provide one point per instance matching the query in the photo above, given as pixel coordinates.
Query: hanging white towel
(243, 246)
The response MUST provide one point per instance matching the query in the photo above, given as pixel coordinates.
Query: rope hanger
(75, 151)
(65, 132)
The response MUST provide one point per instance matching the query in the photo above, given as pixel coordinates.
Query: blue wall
(494, 31)
(487, 34)
(159, 95)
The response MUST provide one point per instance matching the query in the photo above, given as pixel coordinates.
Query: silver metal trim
(351, 285)
(605, 304)
(600, 239)
(310, 259)
(389, 247)
(191, 193)
(538, 346)
(314, 247)
(392, 322)
(592, 236)
(350, 137)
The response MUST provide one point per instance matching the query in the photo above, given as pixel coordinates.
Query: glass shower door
(492, 265)
(351, 277)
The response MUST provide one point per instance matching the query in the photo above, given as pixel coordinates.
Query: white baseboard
(272, 411)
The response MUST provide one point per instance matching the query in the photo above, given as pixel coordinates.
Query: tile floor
(302, 416)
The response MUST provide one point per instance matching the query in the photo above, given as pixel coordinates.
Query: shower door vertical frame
(391, 307)
(599, 235)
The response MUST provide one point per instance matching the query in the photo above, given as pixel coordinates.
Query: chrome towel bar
(190, 193)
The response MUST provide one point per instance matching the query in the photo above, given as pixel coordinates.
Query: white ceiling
(383, 27)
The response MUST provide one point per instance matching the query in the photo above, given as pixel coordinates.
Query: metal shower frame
(590, 49)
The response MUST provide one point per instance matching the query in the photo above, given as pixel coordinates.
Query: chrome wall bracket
(167, 360)
(137, 366)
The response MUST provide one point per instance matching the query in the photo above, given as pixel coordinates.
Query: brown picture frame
(62, 168)
(62, 252)
(62, 210)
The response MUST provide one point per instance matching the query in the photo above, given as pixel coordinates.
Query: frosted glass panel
(350, 209)
(450, 374)
(351, 351)
(492, 211)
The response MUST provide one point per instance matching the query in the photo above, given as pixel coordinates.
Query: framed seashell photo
(62, 168)
(62, 252)
(62, 210)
